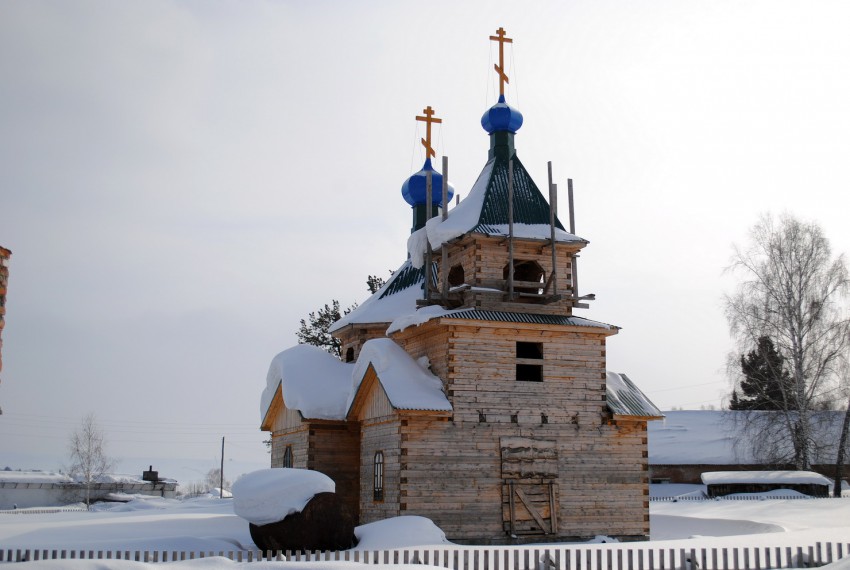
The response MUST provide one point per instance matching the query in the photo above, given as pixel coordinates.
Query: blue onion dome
(501, 117)
(415, 191)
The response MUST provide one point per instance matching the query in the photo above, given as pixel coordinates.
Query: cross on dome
(428, 119)
(500, 67)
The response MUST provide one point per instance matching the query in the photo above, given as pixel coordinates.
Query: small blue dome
(501, 117)
(414, 188)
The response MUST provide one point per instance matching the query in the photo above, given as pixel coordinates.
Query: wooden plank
(527, 502)
(553, 508)
(513, 509)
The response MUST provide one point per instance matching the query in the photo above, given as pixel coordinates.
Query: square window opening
(529, 350)
(529, 373)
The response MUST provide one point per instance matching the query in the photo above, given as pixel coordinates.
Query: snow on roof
(692, 437)
(408, 385)
(418, 317)
(709, 437)
(33, 477)
(397, 297)
(764, 477)
(626, 399)
(270, 495)
(311, 380)
(467, 216)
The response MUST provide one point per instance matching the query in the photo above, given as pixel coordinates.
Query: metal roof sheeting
(530, 318)
(529, 205)
(407, 276)
(626, 399)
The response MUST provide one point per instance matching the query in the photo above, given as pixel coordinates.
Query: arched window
(287, 456)
(378, 490)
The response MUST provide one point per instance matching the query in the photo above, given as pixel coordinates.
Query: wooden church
(469, 392)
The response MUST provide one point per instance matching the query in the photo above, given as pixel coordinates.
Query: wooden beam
(513, 509)
(511, 229)
(444, 261)
(553, 205)
(527, 502)
(429, 193)
(553, 508)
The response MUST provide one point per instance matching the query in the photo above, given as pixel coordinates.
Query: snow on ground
(399, 532)
(211, 525)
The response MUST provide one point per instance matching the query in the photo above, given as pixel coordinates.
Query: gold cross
(428, 118)
(500, 68)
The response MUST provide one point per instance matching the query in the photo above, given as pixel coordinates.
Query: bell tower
(503, 248)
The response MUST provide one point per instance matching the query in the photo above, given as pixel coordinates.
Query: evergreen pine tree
(315, 329)
(766, 383)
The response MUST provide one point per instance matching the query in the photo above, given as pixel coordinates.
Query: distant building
(5, 254)
(27, 489)
(692, 442)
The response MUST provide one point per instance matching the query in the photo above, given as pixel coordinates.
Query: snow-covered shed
(722, 483)
(478, 398)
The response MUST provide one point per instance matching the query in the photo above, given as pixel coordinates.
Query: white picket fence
(42, 510)
(737, 498)
(617, 556)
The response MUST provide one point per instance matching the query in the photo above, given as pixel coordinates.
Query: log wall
(379, 434)
(451, 472)
(477, 362)
(484, 259)
(355, 337)
(296, 437)
(334, 449)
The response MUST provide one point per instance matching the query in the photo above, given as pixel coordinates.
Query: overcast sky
(181, 182)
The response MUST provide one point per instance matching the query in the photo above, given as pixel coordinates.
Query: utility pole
(221, 472)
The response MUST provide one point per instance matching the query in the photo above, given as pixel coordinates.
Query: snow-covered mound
(399, 532)
(270, 495)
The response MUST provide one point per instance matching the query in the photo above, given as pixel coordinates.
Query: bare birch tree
(87, 449)
(791, 291)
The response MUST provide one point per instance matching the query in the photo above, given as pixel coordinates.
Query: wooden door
(529, 486)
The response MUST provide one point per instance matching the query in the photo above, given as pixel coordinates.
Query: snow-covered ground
(211, 525)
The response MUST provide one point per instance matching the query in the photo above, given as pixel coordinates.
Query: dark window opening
(456, 276)
(525, 272)
(514, 418)
(544, 419)
(527, 370)
(529, 373)
(482, 418)
(349, 355)
(378, 487)
(287, 456)
(529, 350)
